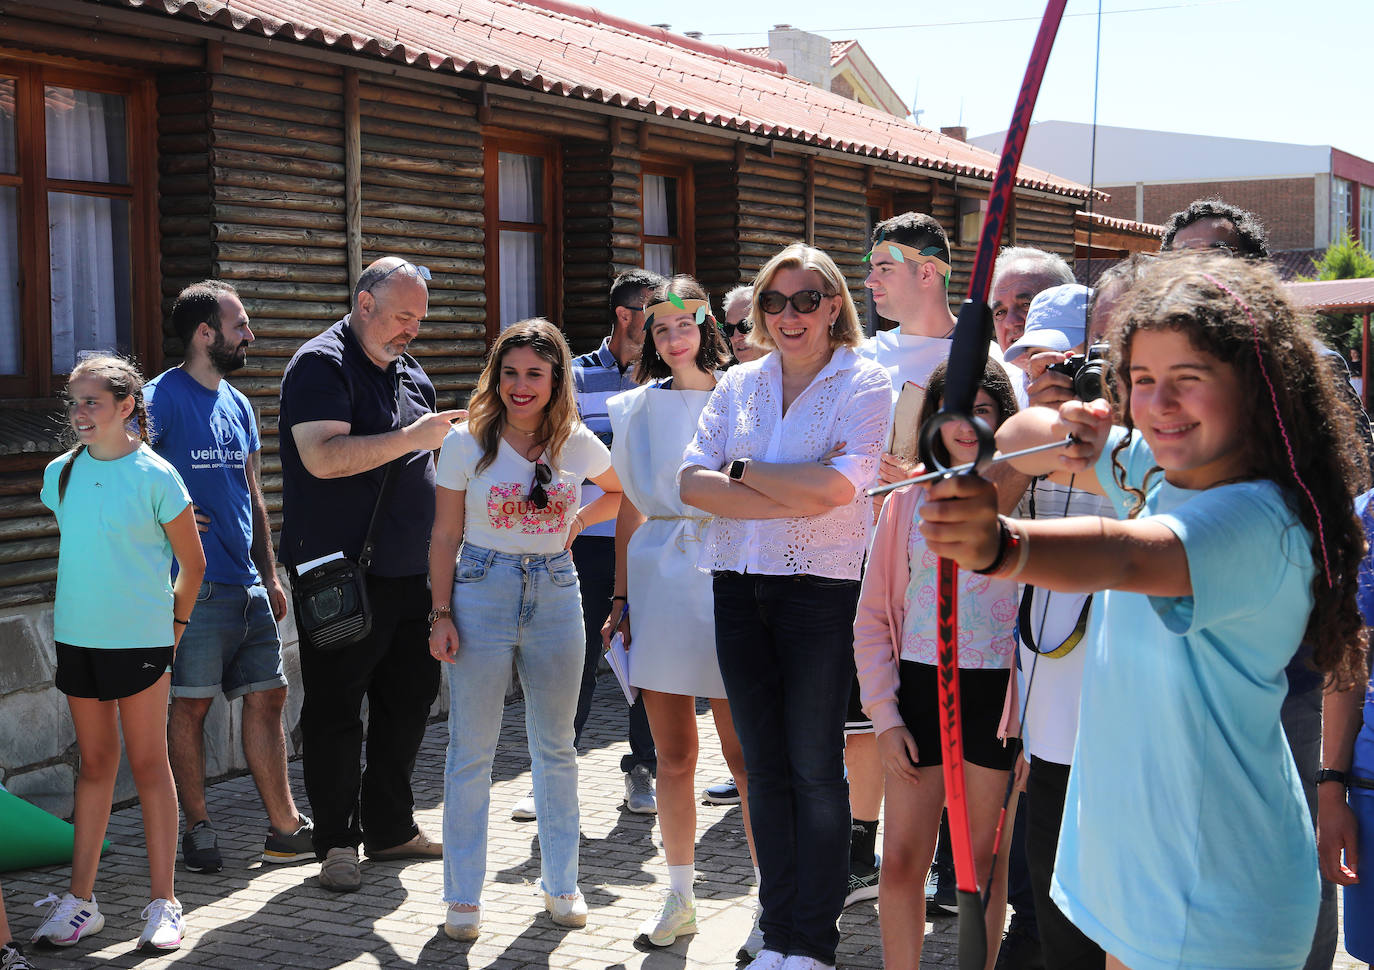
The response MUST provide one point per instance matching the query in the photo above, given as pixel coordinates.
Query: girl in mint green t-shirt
(123, 513)
(1186, 840)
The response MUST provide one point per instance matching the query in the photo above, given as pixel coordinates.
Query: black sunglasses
(803, 301)
(543, 474)
(744, 326)
(420, 271)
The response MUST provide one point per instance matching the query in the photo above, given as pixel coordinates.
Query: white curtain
(659, 259)
(521, 190)
(88, 238)
(656, 205)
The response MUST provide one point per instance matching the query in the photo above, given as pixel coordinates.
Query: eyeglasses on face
(420, 271)
(744, 326)
(543, 474)
(803, 301)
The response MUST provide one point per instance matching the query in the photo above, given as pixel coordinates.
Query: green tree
(1345, 259)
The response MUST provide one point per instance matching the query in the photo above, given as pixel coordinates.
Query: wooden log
(36, 571)
(28, 527)
(281, 164)
(406, 150)
(196, 184)
(440, 215)
(424, 99)
(254, 252)
(222, 232)
(422, 164)
(425, 230)
(261, 124)
(23, 551)
(292, 73)
(183, 205)
(252, 215)
(28, 594)
(353, 186)
(250, 270)
(266, 146)
(388, 129)
(193, 226)
(464, 194)
(422, 248)
(255, 105)
(259, 91)
(277, 182)
(231, 196)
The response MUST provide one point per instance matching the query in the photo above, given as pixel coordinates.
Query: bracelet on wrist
(178, 620)
(1003, 543)
(623, 599)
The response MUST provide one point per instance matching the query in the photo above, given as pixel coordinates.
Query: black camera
(1090, 372)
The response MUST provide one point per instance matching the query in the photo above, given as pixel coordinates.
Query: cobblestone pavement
(255, 916)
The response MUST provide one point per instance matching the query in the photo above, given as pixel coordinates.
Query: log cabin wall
(716, 243)
(839, 215)
(589, 258)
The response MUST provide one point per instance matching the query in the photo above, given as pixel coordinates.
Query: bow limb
(967, 359)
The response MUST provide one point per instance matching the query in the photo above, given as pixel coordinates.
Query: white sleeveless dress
(672, 616)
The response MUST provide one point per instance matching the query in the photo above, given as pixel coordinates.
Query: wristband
(1004, 542)
(624, 599)
(1331, 774)
(1020, 544)
(177, 619)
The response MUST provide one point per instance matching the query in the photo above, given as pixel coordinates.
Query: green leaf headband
(700, 309)
(901, 253)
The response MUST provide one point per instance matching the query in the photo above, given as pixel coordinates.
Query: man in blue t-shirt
(206, 429)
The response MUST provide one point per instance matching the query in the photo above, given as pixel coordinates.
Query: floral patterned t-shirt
(498, 509)
(987, 612)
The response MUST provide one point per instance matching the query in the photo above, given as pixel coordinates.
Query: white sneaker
(164, 927)
(523, 810)
(767, 960)
(678, 917)
(567, 911)
(753, 944)
(69, 919)
(462, 925)
(798, 962)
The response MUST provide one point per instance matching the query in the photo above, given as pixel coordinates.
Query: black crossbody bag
(333, 609)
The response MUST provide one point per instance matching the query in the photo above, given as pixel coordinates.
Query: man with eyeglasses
(598, 377)
(353, 402)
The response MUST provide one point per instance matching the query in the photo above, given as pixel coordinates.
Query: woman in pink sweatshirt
(894, 649)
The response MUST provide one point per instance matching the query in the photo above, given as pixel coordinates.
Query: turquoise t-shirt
(1186, 840)
(114, 586)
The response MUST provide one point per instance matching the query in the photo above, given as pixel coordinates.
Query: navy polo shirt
(331, 378)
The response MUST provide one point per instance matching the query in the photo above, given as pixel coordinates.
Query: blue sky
(1256, 69)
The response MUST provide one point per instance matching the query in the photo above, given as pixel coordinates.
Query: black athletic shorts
(982, 694)
(109, 674)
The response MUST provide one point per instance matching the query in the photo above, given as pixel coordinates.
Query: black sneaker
(863, 884)
(280, 849)
(1021, 948)
(200, 849)
(943, 900)
(12, 957)
(724, 793)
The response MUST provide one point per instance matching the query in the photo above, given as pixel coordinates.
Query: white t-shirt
(498, 512)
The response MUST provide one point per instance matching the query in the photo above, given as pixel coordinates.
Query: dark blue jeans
(594, 557)
(786, 651)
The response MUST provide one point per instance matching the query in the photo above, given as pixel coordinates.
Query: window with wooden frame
(667, 201)
(969, 222)
(78, 244)
(521, 209)
(879, 207)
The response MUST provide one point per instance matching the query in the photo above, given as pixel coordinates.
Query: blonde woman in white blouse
(783, 452)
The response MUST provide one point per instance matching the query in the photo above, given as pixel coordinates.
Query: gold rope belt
(684, 537)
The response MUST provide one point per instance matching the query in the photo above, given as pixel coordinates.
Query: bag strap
(365, 554)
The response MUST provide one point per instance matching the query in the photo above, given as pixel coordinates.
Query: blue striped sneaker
(69, 919)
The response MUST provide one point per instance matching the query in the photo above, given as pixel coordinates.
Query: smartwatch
(1331, 774)
(737, 469)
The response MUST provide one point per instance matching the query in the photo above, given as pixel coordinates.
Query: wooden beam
(353, 177)
(810, 200)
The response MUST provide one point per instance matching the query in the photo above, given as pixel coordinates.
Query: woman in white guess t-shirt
(509, 488)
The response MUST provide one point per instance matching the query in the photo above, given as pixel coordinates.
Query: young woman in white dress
(663, 602)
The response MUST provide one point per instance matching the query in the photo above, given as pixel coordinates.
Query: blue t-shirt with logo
(208, 437)
(114, 560)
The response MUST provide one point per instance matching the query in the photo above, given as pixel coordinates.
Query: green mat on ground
(31, 837)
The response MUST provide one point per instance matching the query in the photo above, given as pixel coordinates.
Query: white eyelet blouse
(849, 400)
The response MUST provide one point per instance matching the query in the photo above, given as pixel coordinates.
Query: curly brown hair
(1236, 311)
(995, 381)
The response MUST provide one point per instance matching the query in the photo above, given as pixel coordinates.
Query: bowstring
(1068, 497)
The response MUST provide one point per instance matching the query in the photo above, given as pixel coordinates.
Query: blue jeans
(526, 609)
(231, 644)
(786, 651)
(1302, 723)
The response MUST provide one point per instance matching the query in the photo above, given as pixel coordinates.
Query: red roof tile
(1124, 225)
(563, 49)
(1333, 294)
